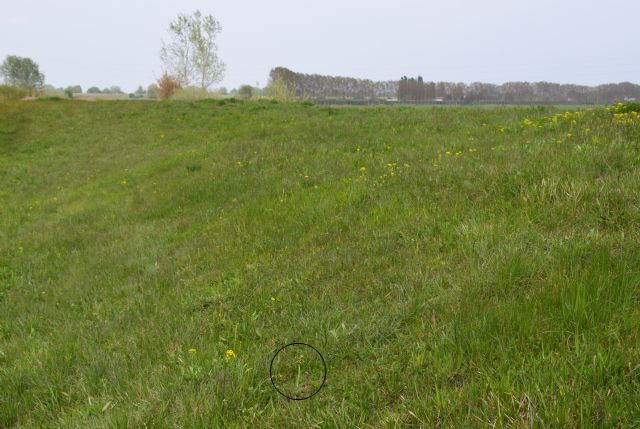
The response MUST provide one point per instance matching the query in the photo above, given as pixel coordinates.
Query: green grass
(494, 286)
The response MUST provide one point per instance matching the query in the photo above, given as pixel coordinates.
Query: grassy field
(455, 267)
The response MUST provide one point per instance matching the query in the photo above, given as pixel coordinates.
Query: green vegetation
(456, 267)
(9, 92)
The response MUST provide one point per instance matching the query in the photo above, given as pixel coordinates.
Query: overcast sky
(116, 42)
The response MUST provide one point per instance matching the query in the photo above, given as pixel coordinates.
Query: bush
(167, 86)
(49, 99)
(8, 92)
(279, 90)
(245, 92)
(628, 107)
(192, 93)
(51, 91)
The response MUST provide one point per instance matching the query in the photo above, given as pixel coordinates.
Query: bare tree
(191, 55)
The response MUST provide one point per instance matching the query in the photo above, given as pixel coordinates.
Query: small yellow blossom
(192, 350)
(229, 354)
(273, 298)
(363, 169)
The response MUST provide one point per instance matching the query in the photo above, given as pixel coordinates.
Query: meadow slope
(456, 267)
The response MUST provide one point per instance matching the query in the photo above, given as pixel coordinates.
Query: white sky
(116, 42)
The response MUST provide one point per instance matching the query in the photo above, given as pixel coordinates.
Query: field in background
(456, 267)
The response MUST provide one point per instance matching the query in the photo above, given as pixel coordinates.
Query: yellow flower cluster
(229, 355)
(626, 118)
(566, 117)
(392, 169)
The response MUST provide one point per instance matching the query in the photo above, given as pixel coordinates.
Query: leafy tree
(93, 90)
(152, 91)
(21, 72)
(191, 55)
(74, 89)
(245, 92)
(140, 92)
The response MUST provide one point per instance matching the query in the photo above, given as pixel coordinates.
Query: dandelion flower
(363, 169)
(192, 350)
(229, 354)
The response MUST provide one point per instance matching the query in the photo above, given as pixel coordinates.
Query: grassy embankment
(456, 267)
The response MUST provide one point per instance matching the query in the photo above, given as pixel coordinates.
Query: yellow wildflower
(192, 350)
(229, 354)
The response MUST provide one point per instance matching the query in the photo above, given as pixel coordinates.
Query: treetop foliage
(21, 72)
(191, 54)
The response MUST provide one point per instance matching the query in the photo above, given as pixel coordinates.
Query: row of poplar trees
(416, 90)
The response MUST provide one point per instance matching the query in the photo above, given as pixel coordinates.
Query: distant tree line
(416, 90)
(319, 86)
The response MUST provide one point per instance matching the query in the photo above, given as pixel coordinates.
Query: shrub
(628, 107)
(279, 90)
(192, 93)
(51, 91)
(167, 86)
(245, 92)
(8, 92)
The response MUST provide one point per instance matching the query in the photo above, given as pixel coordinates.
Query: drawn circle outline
(324, 365)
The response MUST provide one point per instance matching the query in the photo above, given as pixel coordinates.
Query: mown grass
(456, 267)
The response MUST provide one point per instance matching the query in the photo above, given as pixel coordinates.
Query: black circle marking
(324, 377)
